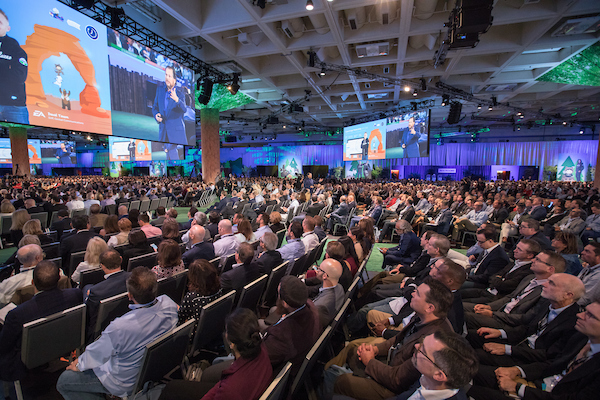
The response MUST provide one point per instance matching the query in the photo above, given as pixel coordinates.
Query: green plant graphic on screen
(581, 69)
(566, 171)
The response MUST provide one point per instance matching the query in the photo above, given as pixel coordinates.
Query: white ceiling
(516, 50)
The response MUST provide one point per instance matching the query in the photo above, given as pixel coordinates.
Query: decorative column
(18, 147)
(210, 144)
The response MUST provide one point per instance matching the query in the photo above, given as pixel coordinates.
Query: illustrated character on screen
(58, 69)
(568, 174)
(579, 170)
(364, 145)
(13, 73)
(131, 149)
(169, 109)
(410, 139)
(63, 154)
(55, 14)
(65, 98)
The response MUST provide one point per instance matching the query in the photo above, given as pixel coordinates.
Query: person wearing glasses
(331, 294)
(573, 375)
(490, 261)
(446, 363)
(509, 311)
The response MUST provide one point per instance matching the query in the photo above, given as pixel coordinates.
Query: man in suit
(590, 274)
(407, 214)
(408, 248)
(546, 331)
(510, 309)
(318, 203)
(331, 294)
(168, 110)
(375, 379)
(538, 211)
(457, 357)
(511, 226)
(160, 216)
(47, 301)
(574, 375)
(76, 241)
(199, 248)
(499, 214)
(490, 262)
(243, 272)
(509, 277)
(112, 285)
(572, 223)
(96, 218)
(32, 208)
(339, 215)
(374, 213)
(530, 229)
(592, 229)
(63, 223)
(269, 257)
(220, 205)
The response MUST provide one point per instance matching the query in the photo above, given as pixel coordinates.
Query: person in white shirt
(90, 199)
(29, 256)
(309, 237)
(227, 244)
(75, 203)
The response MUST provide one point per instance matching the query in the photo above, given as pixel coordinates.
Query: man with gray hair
(199, 219)
(199, 248)
(227, 244)
(269, 258)
(29, 256)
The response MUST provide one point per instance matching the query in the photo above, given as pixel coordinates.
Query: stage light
(479, 106)
(322, 73)
(415, 93)
(564, 123)
(407, 88)
(519, 113)
(234, 86)
(445, 100)
(204, 87)
(581, 131)
(309, 5)
(490, 108)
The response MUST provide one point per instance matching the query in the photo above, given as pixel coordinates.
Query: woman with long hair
(360, 246)
(203, 287)
(565, 244)
(245, 233)
(91, 260)
(111, 225)
(350, 257)
(170, 230)
(367, 226)
(34, 227)
(19, 218)
(169, 259)
(123, 236)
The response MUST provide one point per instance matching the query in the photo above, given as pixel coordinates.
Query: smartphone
(154, 246)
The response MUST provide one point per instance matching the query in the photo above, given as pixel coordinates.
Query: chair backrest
(277, 387)
(174, 286)
(163, 202)
(144, 206)
(57, 261)
(226, 263)
(64, 330)
(277, 273)
(215, 262)
(109, 309)
(76, 258)
(111, 209)
(91, 277)
(311, 359)
(135, 205)
(299, 265)
(54, 217)
(211, 322)
(6, 224)
(340, 315)
(154, 204)
(280, 236)
(251, 293)
(42, 217)
(51, 250)
(80, 211)
(255, 244)
(217, 237)
(352, 289)
(164, 355)
(269, 209)
(145, 260)
(312, 257)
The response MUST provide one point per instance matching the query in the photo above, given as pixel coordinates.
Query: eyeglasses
(543, 262)
(421, 350)
(590, 315)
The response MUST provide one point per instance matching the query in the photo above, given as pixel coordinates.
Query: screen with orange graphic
(124, 149)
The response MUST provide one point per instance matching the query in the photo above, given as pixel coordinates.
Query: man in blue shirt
(294, 247)
(112, 363)
(470, 222)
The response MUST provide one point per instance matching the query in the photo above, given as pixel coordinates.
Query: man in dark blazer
(530, 229)
(76, 241)
(441, 223)
(545, 331)
(538, 211)
(112, 285)
(408, 248)
(47, 301)
(199, 249)
(509, 311)
(269, 257)
(508, 278)
(63, 223)
(450, 350)
(577, 370)
(339, 215)
(490, 262)
(243, 272)
(318, 203)
(169, 108)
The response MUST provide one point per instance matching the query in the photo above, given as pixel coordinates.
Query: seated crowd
(515, 317)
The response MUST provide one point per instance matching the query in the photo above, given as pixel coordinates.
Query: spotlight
(519, 113)
(322, 73)
(407, 88)
(415, 93)
(234, 86)
(479, 106)
(581, 131)
(490, 108)
(309, 5)
(284, 127)
(564, 123)
(445, 100)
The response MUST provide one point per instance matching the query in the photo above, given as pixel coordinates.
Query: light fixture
(581, 131)
(564, 123)
(490, 108)
(284, 127)
(519, 113)
(309, 5)
(415, 93)
(479, 106)
(445, 100)
(234, 86)
(407, 88)
(322, 73)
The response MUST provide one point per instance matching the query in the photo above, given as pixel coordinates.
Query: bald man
(331, 294)
(29, 256)
(227, 244)
(199, 249)
(543, 335)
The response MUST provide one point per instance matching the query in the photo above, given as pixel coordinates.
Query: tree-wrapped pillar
(210, 143)
(18, 148)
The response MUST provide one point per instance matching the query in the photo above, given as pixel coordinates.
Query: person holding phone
(168, 110)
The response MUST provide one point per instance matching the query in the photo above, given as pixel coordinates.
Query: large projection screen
(398, 136)
(62, 69)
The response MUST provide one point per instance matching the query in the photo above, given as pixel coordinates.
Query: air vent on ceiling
(243, 38)
(228, 67)
(352, 21)
(287, 29)
(373, 49)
